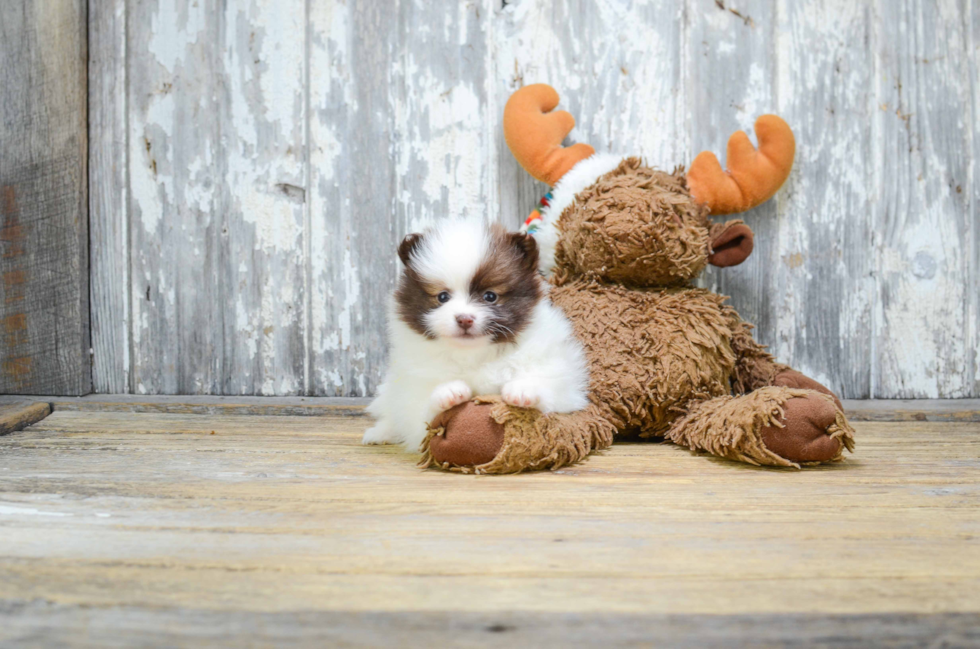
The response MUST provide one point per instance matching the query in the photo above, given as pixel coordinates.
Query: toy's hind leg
(775, 426)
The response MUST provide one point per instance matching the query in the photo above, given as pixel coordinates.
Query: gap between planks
(938, 410)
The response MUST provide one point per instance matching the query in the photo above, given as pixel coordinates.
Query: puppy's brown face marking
(414, 297)
(507, 282)
(504, 289)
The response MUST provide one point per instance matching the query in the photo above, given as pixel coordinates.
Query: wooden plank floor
(284, 529)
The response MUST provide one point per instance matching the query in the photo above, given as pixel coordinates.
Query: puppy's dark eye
(443, 297)
(490, 297)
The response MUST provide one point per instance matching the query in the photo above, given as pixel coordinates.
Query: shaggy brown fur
(666, 359)
(529, 440)
(636, 226)
(737, 427)
(649, 350)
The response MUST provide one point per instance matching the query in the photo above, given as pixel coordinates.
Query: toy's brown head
(639, 226)
(618, 220)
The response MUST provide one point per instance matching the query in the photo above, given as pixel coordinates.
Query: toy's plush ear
(731, 244)
(408, 245)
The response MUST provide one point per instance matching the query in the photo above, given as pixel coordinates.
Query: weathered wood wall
(44, 293)
(255, 163)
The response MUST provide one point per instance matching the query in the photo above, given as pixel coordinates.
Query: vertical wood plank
(352, 191)
(926, 231)
(217, 173)
(972, 19)
(262, 197)
(618, 68)
(730, 82)
(108, 197)
(822, 288)
(808, 285)
(400, 137)
(44, 301)
(175, 212)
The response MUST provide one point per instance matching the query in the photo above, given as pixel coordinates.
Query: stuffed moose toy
(621, 243)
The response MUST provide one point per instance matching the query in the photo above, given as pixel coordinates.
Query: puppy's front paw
(521, 393)
(379, 434)
(449, 394)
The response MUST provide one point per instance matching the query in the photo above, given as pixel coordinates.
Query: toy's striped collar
(533, 222)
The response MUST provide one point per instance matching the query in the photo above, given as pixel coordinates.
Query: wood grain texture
(353, 187)
(217, 170)
(973, 277)
(44, 302)
(208, 405)
(823, 276)
(176, 166)
(913, 410)
(295, 146)
(30, 624)
(176, 512)
(731, 78)
(619, 68)
(808, 286)
(263, 248)
(925, 333)
(109, 197)
(401, 136)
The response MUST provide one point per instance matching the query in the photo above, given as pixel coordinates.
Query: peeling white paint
(925, 301)
(175, 27)
(278, 223)
(281, 170)
(150, 187)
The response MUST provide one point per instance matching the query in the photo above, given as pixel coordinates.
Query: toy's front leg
(486, 435)
(774, 426)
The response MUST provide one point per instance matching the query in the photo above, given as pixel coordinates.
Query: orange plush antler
(753, 176)
(534, 133)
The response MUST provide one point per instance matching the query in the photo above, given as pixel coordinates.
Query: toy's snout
(730, 244)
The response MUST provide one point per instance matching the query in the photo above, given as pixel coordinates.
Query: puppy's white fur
(544, 368)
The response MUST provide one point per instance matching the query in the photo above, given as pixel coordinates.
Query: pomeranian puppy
(470, 316)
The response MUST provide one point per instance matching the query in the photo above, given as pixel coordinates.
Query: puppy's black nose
(464, 321)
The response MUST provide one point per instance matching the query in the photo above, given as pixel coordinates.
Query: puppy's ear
(527, 247)
(408, 245)
(731, 244)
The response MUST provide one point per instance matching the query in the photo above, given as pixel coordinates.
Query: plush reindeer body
(619, 326)
(623, 243)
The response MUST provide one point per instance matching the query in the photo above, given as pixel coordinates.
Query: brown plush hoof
(794, 379)
(471, 435)
(804, 437)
